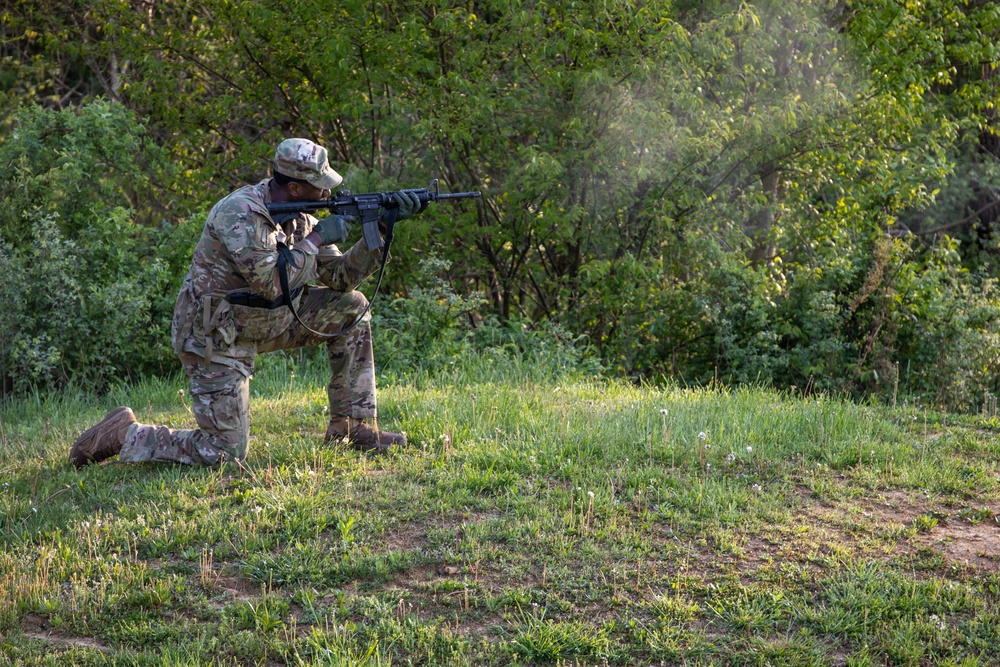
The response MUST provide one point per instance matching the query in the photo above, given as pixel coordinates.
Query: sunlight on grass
(535, 519)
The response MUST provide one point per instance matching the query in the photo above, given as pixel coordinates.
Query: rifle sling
(285, 257)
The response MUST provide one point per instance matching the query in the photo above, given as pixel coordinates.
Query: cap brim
(328, 180)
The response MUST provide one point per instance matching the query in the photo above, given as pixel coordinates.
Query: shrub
(435, 330)
(88, 291)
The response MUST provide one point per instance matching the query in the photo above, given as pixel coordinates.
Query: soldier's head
(302, 170)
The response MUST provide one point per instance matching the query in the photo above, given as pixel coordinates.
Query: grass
(536, 519)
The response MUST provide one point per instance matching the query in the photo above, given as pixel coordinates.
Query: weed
(924, 523)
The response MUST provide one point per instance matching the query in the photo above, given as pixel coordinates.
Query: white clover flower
(531, 459)
(730, 457)
(756, 487)
(708, 466)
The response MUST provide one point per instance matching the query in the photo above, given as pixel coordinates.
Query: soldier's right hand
(334, 228)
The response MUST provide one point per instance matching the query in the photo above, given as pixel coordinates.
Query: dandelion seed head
(749, 449)
(702, 436)
(664, 412)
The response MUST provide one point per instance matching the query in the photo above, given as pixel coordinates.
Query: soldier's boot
(103, 440)
(362, 436)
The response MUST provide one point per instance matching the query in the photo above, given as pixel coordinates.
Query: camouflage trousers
(220, 395)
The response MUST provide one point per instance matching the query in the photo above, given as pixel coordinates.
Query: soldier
(230, 308)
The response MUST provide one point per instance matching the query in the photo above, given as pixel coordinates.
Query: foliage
(434, 328)
(742, 191)
(87, 294)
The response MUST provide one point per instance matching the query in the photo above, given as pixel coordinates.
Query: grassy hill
(534, 520)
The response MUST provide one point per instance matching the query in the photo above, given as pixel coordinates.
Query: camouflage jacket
(238, 252)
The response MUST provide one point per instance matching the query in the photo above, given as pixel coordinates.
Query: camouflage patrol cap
(307, 161)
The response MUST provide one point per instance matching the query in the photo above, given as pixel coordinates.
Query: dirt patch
(961, 541)
(413, 535)
(37, 627)
(405, 537)
(239, 588)
(899, 506)
(414, 576)
(966, 544)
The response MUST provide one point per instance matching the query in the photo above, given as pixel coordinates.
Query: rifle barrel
(458, 195)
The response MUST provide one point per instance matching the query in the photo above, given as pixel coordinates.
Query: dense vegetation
(800, 193)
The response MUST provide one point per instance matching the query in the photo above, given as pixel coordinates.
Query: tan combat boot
(103, 440)
(361, 436)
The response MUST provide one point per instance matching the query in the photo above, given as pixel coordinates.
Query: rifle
(368, 207)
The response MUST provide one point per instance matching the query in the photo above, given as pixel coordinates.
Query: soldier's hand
(409, 204)
(334, 228)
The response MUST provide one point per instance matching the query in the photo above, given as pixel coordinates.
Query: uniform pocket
(259, 324)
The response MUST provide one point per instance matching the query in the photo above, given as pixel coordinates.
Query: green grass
(537, 518)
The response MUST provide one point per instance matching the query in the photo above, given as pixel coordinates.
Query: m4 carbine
(366, 207)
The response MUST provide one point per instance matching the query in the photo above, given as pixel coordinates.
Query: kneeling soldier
(230, 308)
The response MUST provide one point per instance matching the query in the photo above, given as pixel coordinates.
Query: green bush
(435, 330)
(88, 291)
(874, 317)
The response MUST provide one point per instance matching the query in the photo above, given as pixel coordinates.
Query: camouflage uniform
(217, 341)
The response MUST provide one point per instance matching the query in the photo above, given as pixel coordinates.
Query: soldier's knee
(355, 302)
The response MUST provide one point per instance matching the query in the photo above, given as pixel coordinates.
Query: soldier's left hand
(409, 204)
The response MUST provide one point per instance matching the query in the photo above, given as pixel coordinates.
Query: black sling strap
(285, 258)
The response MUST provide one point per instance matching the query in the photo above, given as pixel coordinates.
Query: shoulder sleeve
(251, 240)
